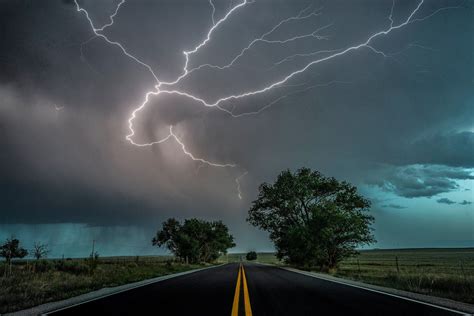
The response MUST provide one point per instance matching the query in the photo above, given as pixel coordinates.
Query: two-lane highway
(275, 291)
(250, 289)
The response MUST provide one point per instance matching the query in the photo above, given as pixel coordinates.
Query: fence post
(396, 262)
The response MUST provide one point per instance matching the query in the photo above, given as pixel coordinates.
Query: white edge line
(162, 278)
(372, 290)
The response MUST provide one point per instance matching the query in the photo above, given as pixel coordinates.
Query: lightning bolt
(190, 155)
(316, 57)
(263, 39)
(111, 18)
(213, 12)
(237, 181)
(97, 33)
(277, 100)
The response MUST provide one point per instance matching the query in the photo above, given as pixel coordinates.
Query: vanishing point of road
(250, 289)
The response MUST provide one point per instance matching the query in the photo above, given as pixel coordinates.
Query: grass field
(53, 280)
(445, 273)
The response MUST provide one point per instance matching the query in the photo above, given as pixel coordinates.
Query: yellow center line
(235, 306)
(248, 308)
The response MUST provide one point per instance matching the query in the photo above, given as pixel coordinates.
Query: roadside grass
(55, 280)
(447, 273)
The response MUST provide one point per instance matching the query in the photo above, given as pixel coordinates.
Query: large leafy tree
(313, 220)
(195, 240)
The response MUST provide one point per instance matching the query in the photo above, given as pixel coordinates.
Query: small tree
(312, 219)
(40, 251)
(10, 250)
(195, 240)
(251, 255)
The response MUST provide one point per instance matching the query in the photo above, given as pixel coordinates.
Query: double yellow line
(235, 306)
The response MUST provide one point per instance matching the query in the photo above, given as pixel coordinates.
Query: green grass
(56, 279)
(445, 273)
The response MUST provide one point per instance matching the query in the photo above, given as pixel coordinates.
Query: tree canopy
(40, 250)
(195, 240)
(11, 249)
(251, 255)
(312, 219)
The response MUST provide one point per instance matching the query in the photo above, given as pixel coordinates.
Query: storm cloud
(401, 123)
(394, 206)
(445, 201)
(420, 180)
(453, 149)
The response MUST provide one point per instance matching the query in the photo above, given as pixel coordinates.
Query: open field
(439, 272)
(446, 273)
(53, 280)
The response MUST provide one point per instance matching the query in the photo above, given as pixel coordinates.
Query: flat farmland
(445, 273)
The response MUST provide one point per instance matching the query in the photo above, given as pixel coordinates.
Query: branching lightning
(277, 100)
(315, 58)
(263, 38)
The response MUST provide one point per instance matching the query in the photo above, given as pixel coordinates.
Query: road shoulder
(94, 295)
(421, 298)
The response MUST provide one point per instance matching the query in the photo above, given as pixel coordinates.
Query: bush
(252, 255)
(43, 266)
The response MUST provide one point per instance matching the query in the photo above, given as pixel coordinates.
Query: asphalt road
(265, 289)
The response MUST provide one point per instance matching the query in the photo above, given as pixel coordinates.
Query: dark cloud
(419, 180)
(465, 202)
(445, 201)
(453, 149)
(410, 114)
(395, 206)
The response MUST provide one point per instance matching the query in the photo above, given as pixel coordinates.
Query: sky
(377, 93)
